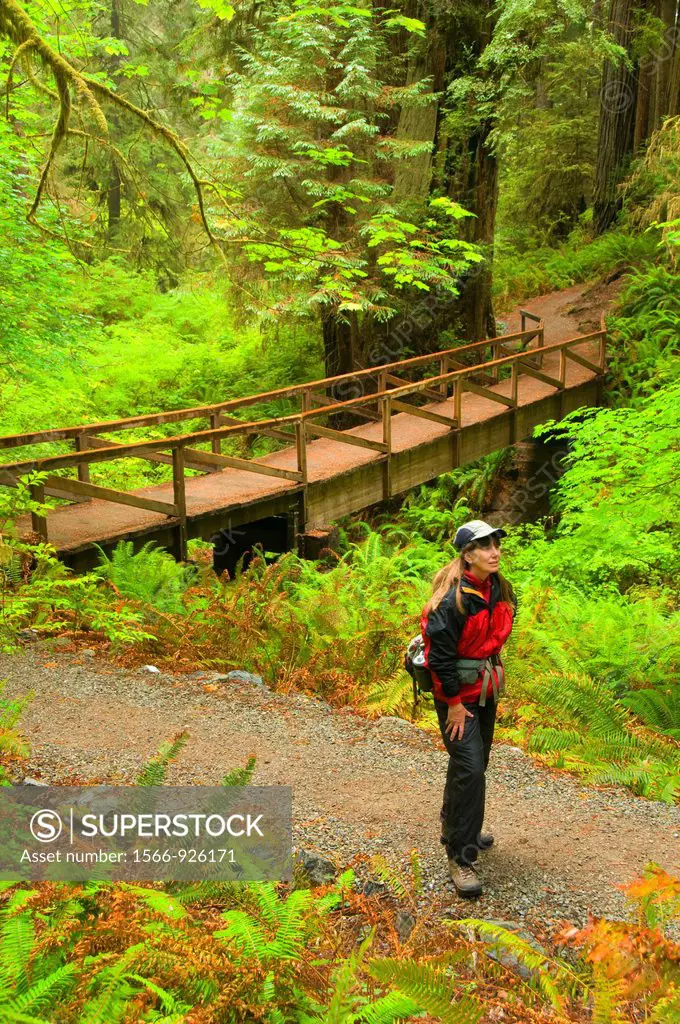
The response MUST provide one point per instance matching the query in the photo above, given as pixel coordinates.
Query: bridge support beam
(315, 543)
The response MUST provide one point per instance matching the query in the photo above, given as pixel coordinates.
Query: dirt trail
(359, 787)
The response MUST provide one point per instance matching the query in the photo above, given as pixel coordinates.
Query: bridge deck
(248, 496)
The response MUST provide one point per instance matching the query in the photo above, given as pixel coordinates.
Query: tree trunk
(674, 81)
(418, 123)
(615, 137)
(481, 196)
(662, 67)
(642, 107)
(337, 345)
(646, 88)
(113, 193)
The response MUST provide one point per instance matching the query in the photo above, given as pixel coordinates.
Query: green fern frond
(207, 892)
(14, 1017)
(544, 739)
(167, 1000)
(111, 1002)
(342, 1006)
(153, 773)
(547, 972)
(431, 989)
(269, 904)
(394, 1006)
(42, 993)
(158, 901)
(17, 939)
(667, 1010)
(608, 999)
(240, 776)
(390, 876)
(416, 872)
(245, 933)
(656, 709)
(388, 695)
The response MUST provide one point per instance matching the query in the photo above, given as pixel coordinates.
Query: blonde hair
(452, 576)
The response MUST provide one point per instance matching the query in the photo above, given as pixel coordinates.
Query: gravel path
(359, 787)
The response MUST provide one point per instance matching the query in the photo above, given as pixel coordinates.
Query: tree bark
(667, 13)
(674, 80)
(616, 128)
(418, 123)
(113, 193)
(480, 194)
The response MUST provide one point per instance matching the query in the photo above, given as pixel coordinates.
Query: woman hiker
(464, 626)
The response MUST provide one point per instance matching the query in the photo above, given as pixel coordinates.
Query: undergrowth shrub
(518, 276)
(220, 953)
(151, 575)
(643, 348)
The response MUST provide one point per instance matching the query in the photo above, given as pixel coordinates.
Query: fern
(389, 695)
(608, 999)
(159, 902)
(111, 1002)
(430, 988)
(153, 773)
(547, 974)
(151, 575)
(240, 776)
(658, 710)
(285, 918)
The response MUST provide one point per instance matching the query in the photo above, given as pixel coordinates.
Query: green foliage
(644, 332)
(153, 773)
(518, 276)
(315, 90)
(12, 743)
(624, 465)
(150, 575)
(240, 776)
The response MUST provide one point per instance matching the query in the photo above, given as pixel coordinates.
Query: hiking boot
(484, 840)
(464, 878)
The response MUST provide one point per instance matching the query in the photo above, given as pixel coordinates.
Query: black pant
(462, 813)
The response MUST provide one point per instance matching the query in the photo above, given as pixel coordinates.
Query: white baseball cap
(475, 530)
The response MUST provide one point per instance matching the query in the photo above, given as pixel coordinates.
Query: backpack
(414, 663)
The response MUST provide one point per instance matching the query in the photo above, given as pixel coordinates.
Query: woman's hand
(455, 720)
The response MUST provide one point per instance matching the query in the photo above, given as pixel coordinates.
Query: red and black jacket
(479, 632)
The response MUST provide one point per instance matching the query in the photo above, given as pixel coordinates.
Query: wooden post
(603, 349)
(563, 381)
(83, 467)
(514, 382)
(539, 344)
(216, 443)
(457, 403)
(306, 401)
(38, 523)
(179, 494)
(496, 372)
(297, 520)
(301, 446)
(444, 368)
(386, 410)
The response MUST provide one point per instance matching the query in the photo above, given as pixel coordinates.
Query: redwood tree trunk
(480, 196)
(617, 109)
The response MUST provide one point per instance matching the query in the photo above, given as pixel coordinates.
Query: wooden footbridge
(468, 402)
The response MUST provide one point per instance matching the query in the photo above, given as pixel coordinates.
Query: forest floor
(360, 787)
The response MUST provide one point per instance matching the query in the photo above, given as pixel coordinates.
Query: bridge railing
(326, 391)
(388, 400)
